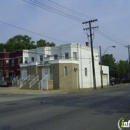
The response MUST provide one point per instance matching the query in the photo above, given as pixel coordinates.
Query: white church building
(68, 66)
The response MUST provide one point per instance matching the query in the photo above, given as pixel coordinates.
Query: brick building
(9, 64)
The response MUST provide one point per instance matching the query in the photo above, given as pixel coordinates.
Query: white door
(46, 71)
(105, 79)
(23, 74)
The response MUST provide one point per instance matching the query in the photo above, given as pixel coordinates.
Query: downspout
(78, 69)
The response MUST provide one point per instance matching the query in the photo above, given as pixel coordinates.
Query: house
(68, 66)
(9, 65)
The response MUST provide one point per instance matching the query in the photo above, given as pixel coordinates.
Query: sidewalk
(17, 90)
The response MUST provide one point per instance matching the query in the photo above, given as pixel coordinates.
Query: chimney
(87, 43)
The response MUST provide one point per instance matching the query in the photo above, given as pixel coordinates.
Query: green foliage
(109, 60)
(42, 43)
(2, 46)
(122, 67)
(116, 69)
(21, 42)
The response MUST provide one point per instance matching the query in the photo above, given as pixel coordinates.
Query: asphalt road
(94, 110)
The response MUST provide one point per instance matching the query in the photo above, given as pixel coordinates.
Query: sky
(113, 22)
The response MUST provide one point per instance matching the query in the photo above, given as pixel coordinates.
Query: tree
(109, 60)
(52, 44)
(19, 42)
(43, 43)
(122, 68)
(2, 47)
(127, 67)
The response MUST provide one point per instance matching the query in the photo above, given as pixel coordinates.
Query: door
(105, 79)
(46, 71)
(23, 74)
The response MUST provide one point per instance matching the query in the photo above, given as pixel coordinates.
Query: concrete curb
(18, 91)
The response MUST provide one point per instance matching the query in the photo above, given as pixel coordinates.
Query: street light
(101, 62)
(107, 49)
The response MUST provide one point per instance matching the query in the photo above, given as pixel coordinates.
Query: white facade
(70, 53)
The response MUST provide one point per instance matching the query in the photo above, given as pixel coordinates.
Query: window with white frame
(26, 59)
(75, 55)
(41, 57)
(85, 71)
(65, 71)
(13, 62)
(66, 55)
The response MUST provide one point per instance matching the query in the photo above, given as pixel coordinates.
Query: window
(65, 71)
(66, 55)
(26, 59)
(1, 63)
(85, 71)
(7, 74)
(55, 56)
(19, 60)
(75, 55)
(48, 55)
(7, 62)
(32, 59)
(41, 57)
(13, 62)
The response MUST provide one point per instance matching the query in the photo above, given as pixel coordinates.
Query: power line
(41, 34)
(63, 11)
(33, 32)
(54, 10)
(109, 37)
(75, 12)
(110, 33)
(106, 29)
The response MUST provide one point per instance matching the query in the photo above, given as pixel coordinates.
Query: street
(94, 110)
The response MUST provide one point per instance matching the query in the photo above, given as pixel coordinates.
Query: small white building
(67, 66)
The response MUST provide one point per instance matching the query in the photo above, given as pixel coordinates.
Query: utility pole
(118, 71)
(91, 42)
(101, 66)
(128, 59)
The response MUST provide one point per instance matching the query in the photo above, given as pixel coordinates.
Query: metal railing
(23, 82)
(33, 81)
(43, 84)
(15, 80)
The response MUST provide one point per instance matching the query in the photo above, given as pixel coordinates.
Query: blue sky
(113, 21)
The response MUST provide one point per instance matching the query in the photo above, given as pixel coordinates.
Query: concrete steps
(26, 86)
(35, 86)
